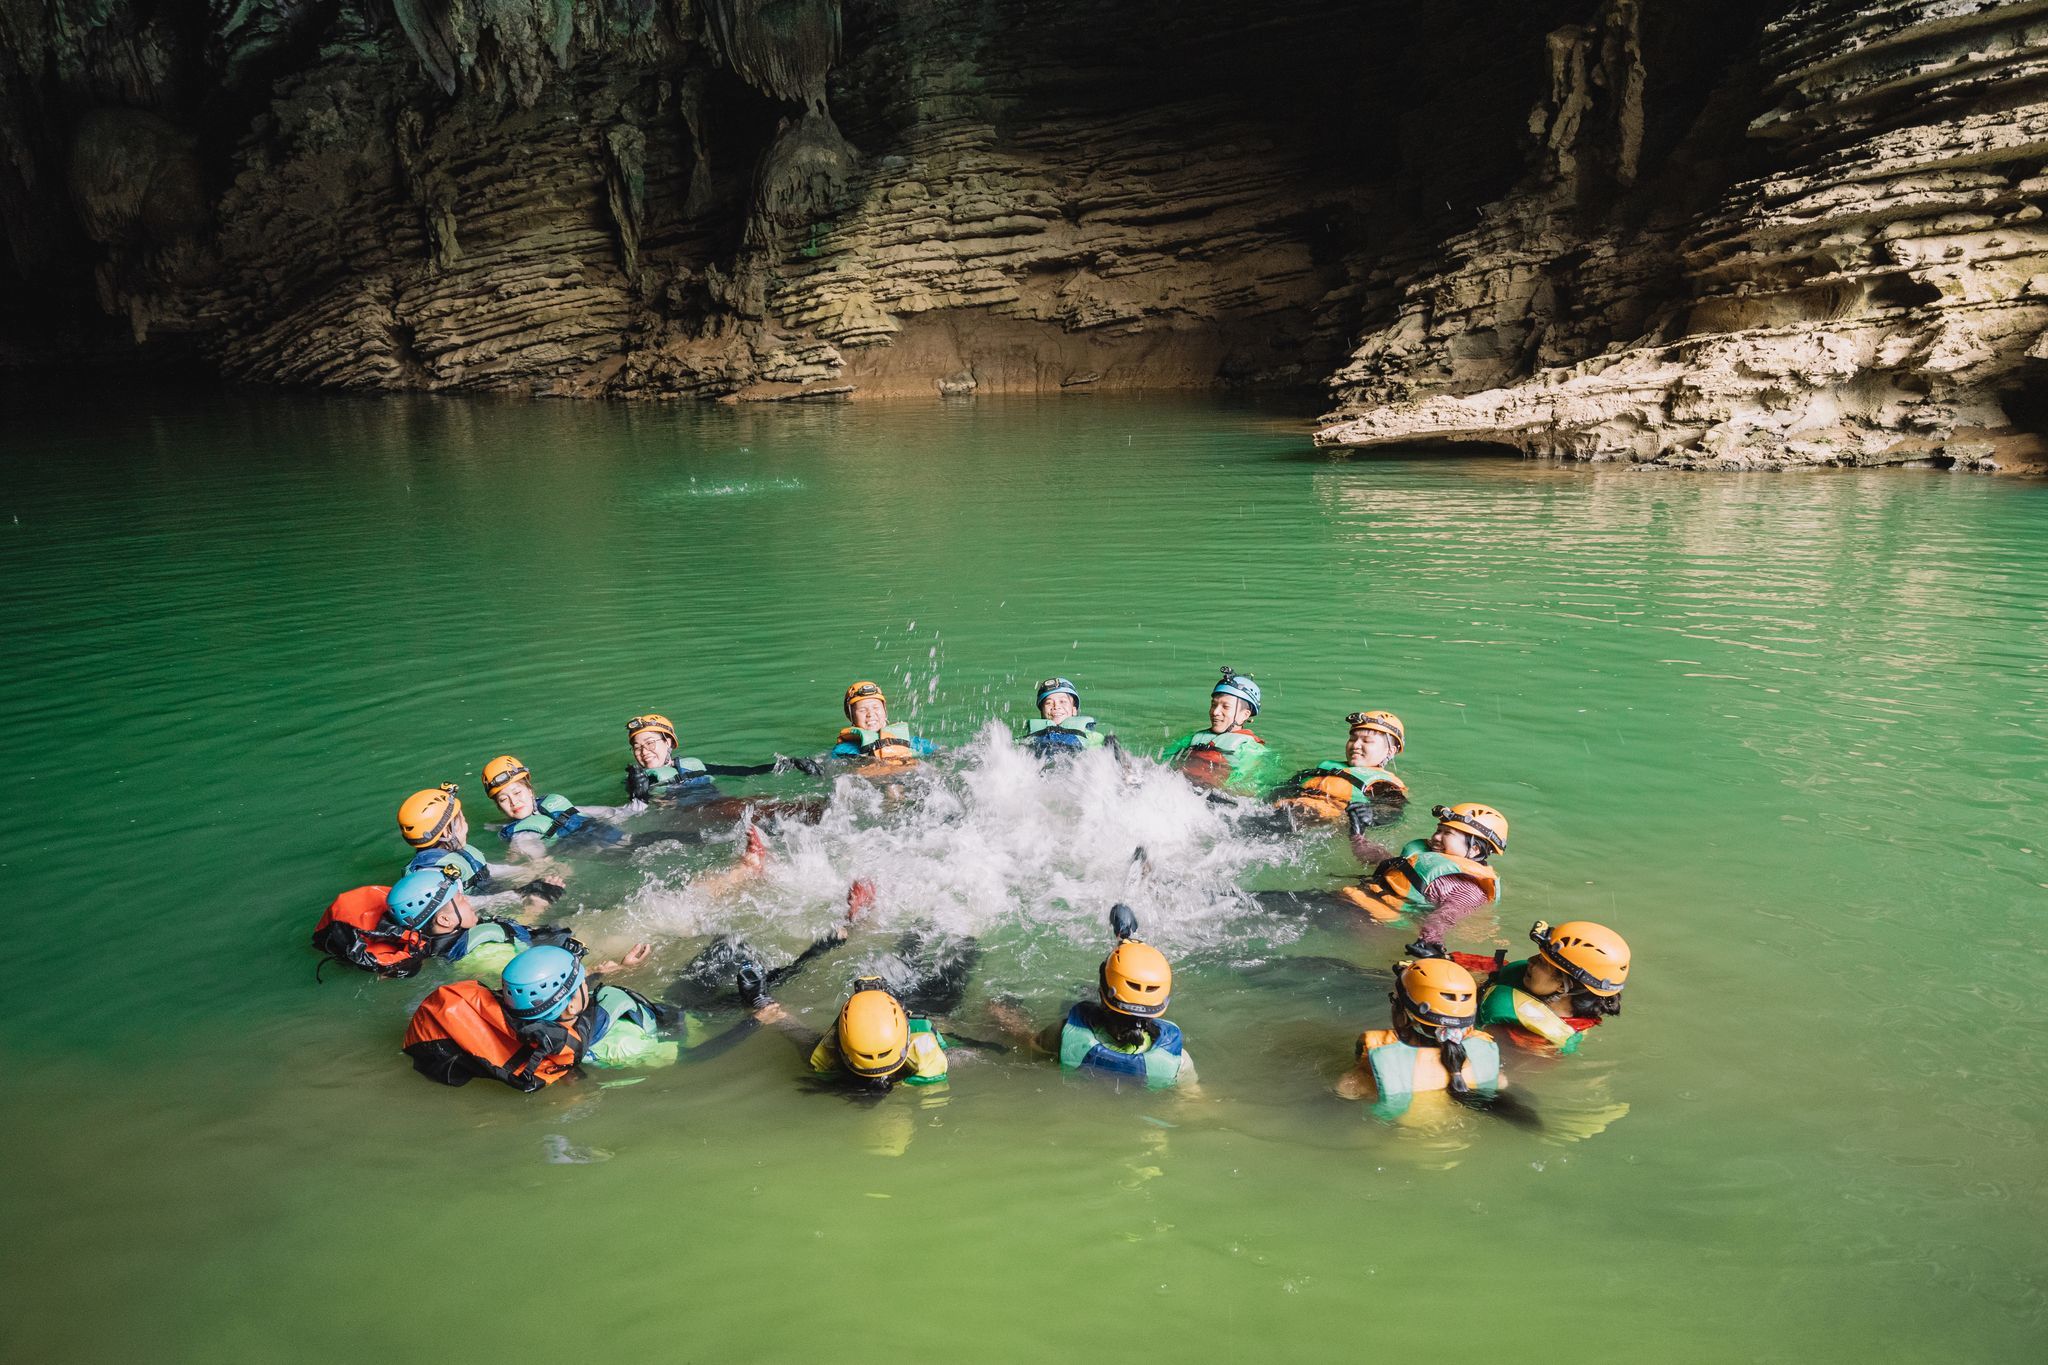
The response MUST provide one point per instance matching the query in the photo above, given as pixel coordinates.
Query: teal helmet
(1053, 686)
(539, 983)
(1239, 685)
(418, 896)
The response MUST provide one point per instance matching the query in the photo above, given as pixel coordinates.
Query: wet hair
(1453, 1054)
(1587, 1005)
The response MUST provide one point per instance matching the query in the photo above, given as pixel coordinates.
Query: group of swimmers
(550, 1012)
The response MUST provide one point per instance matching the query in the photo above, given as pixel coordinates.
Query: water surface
(1785, 732)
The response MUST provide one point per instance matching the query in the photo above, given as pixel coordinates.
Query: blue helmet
(1052, 686)
(539, 983)
(418, 896)
(1239, 685)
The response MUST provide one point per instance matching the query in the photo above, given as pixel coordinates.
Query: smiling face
(1456, 843)
(651, 749)
(1226, 712)
(870, 713)
(1057, 706)
(1369, 749)
(515, 799)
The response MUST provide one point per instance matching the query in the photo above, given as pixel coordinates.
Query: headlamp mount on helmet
(1539, 934)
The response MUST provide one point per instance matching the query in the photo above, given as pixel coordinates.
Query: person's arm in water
(526, 901)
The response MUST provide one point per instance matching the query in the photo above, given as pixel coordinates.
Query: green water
(1786, 733)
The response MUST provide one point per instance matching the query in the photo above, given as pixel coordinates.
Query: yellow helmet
(1483, 823)
(1386, 722)
(1136, 980)
(861, 691)
(502, 772)
(660, 724)
(426, 815)
(1436, 994)
(874, 1032)
(1591, 954)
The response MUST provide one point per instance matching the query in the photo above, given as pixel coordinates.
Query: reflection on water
(1785, 732)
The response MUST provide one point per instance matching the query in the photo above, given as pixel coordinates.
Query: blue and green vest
(1157, 1060)
(678, 774)
(554, 818)
(1053, 736)
(469, 865)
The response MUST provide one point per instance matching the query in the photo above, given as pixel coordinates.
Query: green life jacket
(484, 949)
(1229, 742)
(1416, 867)
(866, 741)
(677, 772)
(1074, 732)
(924, 1058)
(1393, 1072)
(1156, 1058)
(1506, 1003)
(626, 1031)
(553, 816)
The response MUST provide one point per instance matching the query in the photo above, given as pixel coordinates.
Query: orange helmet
(1591, 954)
(1436, 994)
(426, 815)
(502, 772)
(1483, 823)
(1136, 980)
(661, 725)
(1386, 722)
(874, 1032)
(860, 691)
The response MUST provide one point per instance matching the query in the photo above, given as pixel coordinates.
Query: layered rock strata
(1875, 292)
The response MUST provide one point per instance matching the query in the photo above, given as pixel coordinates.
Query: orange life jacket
(889, 750)
(1328, 790)
(1211, 758)
(461, 1031)
(1397, 885)
(349, 933)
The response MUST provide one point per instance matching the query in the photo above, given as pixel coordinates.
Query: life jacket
(352, 932)
(556, 817)
(1330, 788)
(924, 1057)
(888, 747)
(617, 1004)
(470, 865)
(1044, 736)
(1394, 1066)
(1084, 1046)
(1528, 1022)
(1210, 758)
(461, 1031)
(676, 775)
(486, 932)
(1397, 885)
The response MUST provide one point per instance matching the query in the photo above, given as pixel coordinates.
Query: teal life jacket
(1084, 1046)
(677, 774)
(470, 866)
(617, 1004)
(1393, 1072)
(1056, 736)
(486, 933)
(554, 818)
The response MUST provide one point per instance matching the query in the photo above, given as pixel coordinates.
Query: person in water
(433, 823)
(873, 1046)
(1060, 727)
(393, 931)
(548, 1018)
(1360, 791)
(1227, 754)
(869, 739)
(1440, 879)
(659, 771)
(535, 825)
(1123, 1033)
(708, 978)
(1546, 1003)
(1433, 1045)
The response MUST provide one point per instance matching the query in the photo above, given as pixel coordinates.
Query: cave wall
(1860, 278)
(1738, 233)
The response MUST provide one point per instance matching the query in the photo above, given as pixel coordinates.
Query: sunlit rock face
(1861, 277)
(1643, 228)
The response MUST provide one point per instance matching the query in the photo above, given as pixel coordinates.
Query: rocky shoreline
(1742, 236)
